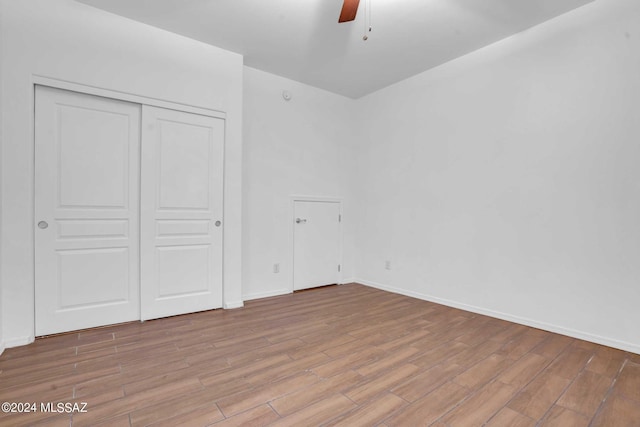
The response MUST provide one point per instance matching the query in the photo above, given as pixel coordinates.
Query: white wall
(508, 181)
(299, 147)
(68, 41)
(2, 39)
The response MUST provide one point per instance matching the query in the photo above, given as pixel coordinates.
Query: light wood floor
(343, 355)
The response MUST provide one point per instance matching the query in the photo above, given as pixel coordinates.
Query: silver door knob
(43, 224)
(300, 221)
(218, 223)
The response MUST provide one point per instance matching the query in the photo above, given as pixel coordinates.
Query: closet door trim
(126, 96)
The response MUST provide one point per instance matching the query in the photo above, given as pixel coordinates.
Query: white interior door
(181, 212)
(86, 211)
(316, 246)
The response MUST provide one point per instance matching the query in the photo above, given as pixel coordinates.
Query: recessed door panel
(93, 277)
(93, 148)
(185, 228)
(184, 151)
(181, 212)
(183, 270)
(70, 229)
(86, 206)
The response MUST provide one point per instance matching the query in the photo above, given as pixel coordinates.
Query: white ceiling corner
(303, 41)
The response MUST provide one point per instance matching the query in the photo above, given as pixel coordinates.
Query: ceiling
(302, 40)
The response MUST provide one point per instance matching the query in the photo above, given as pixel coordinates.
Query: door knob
(43, 224)
(218, 223)
(300, 221)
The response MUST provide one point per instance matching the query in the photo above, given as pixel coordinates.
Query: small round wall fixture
(286, 95)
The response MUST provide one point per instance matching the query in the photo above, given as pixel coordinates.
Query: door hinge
(338, 267)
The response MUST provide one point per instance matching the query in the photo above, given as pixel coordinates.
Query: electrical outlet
(387, 265)
(276, 268)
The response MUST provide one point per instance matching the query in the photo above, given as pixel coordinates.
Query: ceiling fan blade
(349, 9)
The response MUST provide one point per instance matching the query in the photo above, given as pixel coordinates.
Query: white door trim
(292, 216)
(124, 96)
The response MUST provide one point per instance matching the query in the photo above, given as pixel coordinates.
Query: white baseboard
(268, 294)
(622, 345)
(1, 347)
(233, 304)
(278, 292)
(19, 341)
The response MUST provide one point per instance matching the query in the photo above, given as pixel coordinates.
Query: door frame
(292, 218)
(44, 81)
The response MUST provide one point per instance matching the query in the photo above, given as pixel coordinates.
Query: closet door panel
(86, 211)
(181, 212)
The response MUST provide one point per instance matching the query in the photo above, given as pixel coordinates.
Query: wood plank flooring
(338, 356)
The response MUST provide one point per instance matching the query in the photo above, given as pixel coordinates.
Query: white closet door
(316, 246)
(181, 212)
(86, 211)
